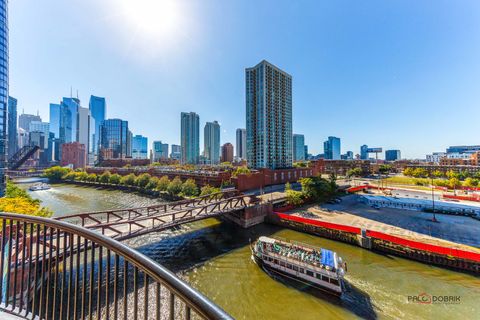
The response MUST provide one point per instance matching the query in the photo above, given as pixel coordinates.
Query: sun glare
(152, 19)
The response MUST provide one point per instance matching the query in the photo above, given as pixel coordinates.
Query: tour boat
(316, 267)
(39, 186)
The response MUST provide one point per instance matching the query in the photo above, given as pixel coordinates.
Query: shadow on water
(353, 299)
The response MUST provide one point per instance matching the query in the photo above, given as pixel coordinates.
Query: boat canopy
(266, 239)
(328, 258)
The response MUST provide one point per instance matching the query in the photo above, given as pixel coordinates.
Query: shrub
(56, 173)
(189, 188)
(294, 198)
(152, 184)
(104, 177)
(175, 186)
(207, 189)
(128, 180)
(92, 177)
(142, 180)
(163, 183)
(115, 178)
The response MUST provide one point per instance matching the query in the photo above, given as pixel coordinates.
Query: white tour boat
(316, 267)
(40, 186)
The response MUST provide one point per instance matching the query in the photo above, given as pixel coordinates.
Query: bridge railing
(51, 269)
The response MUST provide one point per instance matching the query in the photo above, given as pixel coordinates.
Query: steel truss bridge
(122, 224)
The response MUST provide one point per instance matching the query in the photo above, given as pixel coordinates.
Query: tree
(81, 176)
(128, 180)
(316, 188)
(71, 176)
(437, 174)
(104, 177)
(385, 168)
(454, 183)
(152, 184)
(241, 170)
(142, 180)
(470, 183)
(115, 178)
(288, 186)
(175, 186)
(451, 174)
(294, 198)
(92, 177)
(163, 183)
(207, 189)
(355, 172)
(189, 188)
(408, 172)
(56, 173)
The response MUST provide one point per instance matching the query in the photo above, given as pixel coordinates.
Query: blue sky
(397, 74)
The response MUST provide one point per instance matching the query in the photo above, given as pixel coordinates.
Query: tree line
(143, 182)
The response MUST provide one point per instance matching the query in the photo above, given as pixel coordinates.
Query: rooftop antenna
(77, 94)
(71, 92)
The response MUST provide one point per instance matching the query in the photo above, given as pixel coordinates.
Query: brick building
(227, 152)
(74, 154)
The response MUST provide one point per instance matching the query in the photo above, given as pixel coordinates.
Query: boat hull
(277, 272)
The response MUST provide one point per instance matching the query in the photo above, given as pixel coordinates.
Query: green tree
(454, 183)
(105, 177)
(163, 183)
(189, 188)
(115, 178)
(142, 180)
(294, 198)
(81, 176)
(128, 180)
(152, 184)
(92, 177)
(316, 188)
(408, 172)
(71, 176)
(241, 170)
(355, 172)
(470, 182)
(437, 174)
(175, 186)
(451, 174)
(385, 168)
(207, 189)
(56, 173)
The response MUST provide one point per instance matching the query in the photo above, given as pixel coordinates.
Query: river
(214, 257)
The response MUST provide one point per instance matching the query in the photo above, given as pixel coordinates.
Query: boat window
(310, 273)
(302, 270)
(295, 268)
(318, 276)
(325, 278)
(275, 261)
(282, 263)
(334, 282)
(289, 266)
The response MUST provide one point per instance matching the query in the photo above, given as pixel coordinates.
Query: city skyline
(381, 75)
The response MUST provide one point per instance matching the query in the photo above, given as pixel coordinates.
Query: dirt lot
(451, 231)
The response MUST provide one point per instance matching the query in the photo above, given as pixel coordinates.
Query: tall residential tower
(269, 117)
(190, 137)
(3, 91)
(241, 144)
(211, 139)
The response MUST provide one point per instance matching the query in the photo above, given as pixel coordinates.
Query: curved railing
(51, 269)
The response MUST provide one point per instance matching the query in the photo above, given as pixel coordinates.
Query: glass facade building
(3, 91)
(190, 137)
(269, 117)
(298, 147)
(332, 148)
(160, 151)
(211, 140)
(69, 119)
(98, 107)
(392, 155)
(114, 139)
(12, 127)
(139, 147)
(25, 119)
(241, 144)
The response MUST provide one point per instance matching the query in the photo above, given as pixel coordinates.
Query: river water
(214, 257)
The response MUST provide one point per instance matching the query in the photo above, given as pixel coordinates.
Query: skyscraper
(98, 107)
(69, 119)
(241, 144)
(211, 139)
(160, 151)
(332, 148)
(139, 147)
(227, 152)
(43, 127)
(12, 126)
(269, 117)
(3, 91)
(298, 147)
(114, 139)
(176, 152)
(190, 137)
(83, 132)
(25, 119)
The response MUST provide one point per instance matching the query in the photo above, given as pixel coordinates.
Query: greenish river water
(214, 257)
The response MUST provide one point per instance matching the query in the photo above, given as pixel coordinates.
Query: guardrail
(51, 269)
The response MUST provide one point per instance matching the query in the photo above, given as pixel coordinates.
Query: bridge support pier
(250, 216)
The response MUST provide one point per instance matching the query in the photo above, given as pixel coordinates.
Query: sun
(152, 19)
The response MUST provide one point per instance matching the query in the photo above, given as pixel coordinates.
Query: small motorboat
(40, 186)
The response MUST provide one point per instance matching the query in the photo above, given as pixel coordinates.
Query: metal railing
(51, 269)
